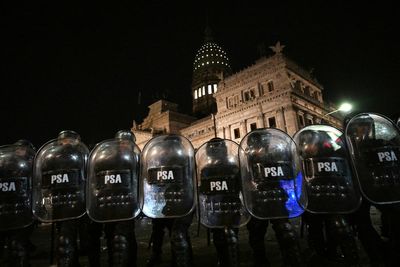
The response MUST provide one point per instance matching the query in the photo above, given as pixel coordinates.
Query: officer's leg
(18, 248)
(368, 236)
(180, 241)
(288, 242)
(67, 251)
(93, 238)
(315, 233)
(226, 244)
(157, 237)
(392, 213)
(257, 230)
(341, 234)
(109, 229)
(124, 244)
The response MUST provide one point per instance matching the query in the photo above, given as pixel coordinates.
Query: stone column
(260, 121)
(228, 132)
(281, 120)
(243, 128)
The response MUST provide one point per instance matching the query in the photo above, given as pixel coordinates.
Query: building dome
(209, 55)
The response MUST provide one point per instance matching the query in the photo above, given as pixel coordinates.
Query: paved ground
(204, 255)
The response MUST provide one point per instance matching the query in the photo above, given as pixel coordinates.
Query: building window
(249, 95)
(270, 85)
(272, 122)
(301, 120)
(209, 89)
(253, 126)
(297, 86)
(315, 94)
(307, 91)
(195, 94)
(204, 90)
(199, 92)
(309, 121)
(236, 133)
(262, 89)
(215, 87)
(233, 101)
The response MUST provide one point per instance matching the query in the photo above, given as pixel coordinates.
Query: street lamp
(345, 107)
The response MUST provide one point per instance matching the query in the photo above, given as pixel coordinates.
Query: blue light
(292, 204)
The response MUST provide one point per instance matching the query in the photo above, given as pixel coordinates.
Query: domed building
(274, 92)
(210, 66)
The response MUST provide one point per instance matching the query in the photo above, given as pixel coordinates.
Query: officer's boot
(341, 234)
(288, 242)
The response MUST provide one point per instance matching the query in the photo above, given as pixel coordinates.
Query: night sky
(81, 66)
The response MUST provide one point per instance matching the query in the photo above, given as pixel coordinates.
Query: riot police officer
(331, 192)
(168, 189)
(272, 186)
(374, 142)
(113, 199)
(59, 192)
(219, 189)
(16, 220)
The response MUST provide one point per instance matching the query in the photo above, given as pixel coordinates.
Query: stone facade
(274, 92)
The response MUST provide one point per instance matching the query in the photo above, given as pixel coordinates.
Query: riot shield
(112, 187)
(168, 187)
(272, 180)
(16, 162)
(327, 172)
(374, 145)
(219, 186)
(59, 179)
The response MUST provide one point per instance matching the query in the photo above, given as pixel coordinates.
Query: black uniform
(370, 135)
(285, 233)
(168, 193)
(328, 226)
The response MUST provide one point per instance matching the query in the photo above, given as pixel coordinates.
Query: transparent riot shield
(327, 172)
(16, 162)
(112, 187)
(59, 179)
(219, 185)
(374, 144)
(168, 187)
(272, 180)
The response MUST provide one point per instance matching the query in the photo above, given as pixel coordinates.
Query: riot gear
(168, 188)
(113, 170)
(330, 190)
(220, 196)
(59, 191)
(16, 162)
(273, 189)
